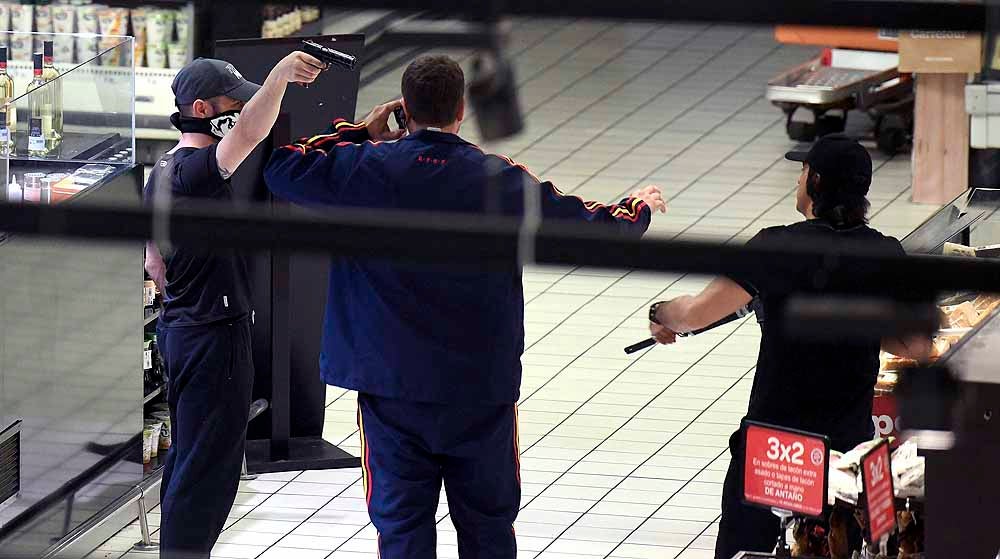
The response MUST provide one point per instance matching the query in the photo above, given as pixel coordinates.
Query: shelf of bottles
(152, 364)
(156, 432)
(65, 127)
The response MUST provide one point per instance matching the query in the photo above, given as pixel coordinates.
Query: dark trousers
(409, 449)
(210, 371)
(742, 527)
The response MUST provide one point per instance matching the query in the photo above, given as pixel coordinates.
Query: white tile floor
(623, 456)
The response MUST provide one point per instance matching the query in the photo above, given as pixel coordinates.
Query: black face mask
(217, 126)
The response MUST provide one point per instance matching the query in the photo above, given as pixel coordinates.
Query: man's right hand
(653, 197)
(260, 112)
(377, 122)
(662, 334)
(298, 67)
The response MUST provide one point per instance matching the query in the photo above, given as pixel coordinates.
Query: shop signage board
(880, 504)
(785, 469)
(885, 415)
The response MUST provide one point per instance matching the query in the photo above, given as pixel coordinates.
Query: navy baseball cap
(205, 78)
(841, 159)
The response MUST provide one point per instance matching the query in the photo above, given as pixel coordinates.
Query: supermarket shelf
(74, 148)
(96, 530)
(151, 318)
(156, 473)
(156, 392)
(153, 95)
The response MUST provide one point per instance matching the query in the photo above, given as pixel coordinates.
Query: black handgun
(329, 56)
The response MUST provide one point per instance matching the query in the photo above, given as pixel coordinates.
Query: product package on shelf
(167, 35)
(22, 18)
(43, 23)
(86, 23)
(152, 363)
(150, 296)
(53, 188)
(4, 24)
(284, 20)
(162, 35)
(112, 23)
(870, 490)
(138, 18)
(63, 24)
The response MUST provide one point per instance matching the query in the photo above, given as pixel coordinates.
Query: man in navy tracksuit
(433, 351)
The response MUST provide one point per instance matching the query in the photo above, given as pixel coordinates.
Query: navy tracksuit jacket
(434, 351)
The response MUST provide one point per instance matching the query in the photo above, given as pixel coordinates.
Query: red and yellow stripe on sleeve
(631, 211)
(321, 141)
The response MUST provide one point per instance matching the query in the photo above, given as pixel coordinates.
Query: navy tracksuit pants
(210, 371)
(409, 449)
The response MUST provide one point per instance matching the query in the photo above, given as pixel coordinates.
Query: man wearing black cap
(826, 387)
(204, 328)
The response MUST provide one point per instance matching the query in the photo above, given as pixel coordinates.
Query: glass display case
(71, 323)
(969, 226)
(69, 127)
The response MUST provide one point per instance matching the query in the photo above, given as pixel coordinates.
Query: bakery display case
(960, 462)
(969, 226)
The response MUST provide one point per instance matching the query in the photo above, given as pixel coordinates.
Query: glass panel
(973, 209)
(986, 232)
(73, 124)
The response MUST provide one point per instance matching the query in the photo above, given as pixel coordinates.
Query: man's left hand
(377, 122)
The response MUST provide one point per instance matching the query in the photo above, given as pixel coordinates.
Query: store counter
(70, 372)
(960, 476)
(968, 226)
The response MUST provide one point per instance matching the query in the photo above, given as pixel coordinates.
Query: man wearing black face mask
(204, 328)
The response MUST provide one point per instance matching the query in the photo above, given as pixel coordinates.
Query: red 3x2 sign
(785, 469)
(880, 504)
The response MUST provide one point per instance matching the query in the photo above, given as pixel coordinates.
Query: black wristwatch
(652, 312)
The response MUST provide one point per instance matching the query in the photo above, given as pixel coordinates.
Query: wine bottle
(41, 136)
(50, 74)
(8, 116)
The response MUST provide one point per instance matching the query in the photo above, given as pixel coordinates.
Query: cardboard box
(940, 52)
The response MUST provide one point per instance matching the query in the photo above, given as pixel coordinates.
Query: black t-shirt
(825, 387)
(203, 284)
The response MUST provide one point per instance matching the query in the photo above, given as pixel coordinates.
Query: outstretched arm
(631, 216)
(258, 116)
(720, 299)
(317, 170)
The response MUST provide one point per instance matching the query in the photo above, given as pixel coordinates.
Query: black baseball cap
(839, 159)
(205, 78)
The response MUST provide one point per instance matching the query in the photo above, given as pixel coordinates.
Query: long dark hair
(835, 205)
